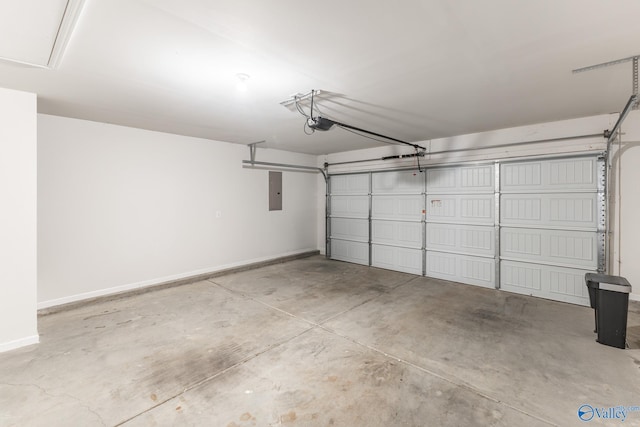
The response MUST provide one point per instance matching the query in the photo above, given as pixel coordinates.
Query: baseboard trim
(75, 301)
(22, 342)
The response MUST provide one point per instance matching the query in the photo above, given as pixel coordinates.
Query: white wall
(120, 208)
(626, 220)
(18, 264)
(625, 204)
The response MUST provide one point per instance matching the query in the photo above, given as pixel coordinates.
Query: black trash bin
(609, 297)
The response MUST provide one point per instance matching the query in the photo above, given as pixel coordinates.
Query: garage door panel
(461, 268)
(477, 270)
(476, 208)
(442, 180)
(521, 176)
(408, 182)
(467, 239)
(442, 265)
(480, 240)
(550, 175)
(477, 178)
(442, 237)
(469, 209)
(573, 173)
(407, 234)
(568, 282)
(569, 248)
(521, 277)
(350, 206)
(355, 252)
(467, 179)
(557, 283)
(568, 210)
(397, 207)
(350, 229)
(397, 259)
(350, 184)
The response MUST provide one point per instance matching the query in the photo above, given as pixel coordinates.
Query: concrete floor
(319, 343)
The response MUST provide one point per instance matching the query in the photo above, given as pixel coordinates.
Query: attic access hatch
(43, 29)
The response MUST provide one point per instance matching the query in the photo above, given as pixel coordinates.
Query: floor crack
(67, 395)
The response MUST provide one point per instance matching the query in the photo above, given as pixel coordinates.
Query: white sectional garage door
(533, 227)
(461, 224)
(349, 218)
(397, 226)
(551, 226)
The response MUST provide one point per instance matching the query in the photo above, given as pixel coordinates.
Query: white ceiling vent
(35, 32)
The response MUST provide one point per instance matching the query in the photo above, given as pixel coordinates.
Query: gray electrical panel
(275, 191)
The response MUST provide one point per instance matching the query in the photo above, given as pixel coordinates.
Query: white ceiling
(414, 70)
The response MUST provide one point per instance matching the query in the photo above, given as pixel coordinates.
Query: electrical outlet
(218, 214)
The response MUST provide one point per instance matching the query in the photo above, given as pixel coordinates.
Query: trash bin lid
(596, 280)
(615, 287)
